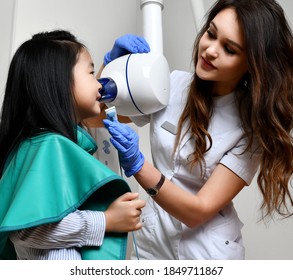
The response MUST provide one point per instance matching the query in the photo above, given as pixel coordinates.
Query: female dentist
(230, 117)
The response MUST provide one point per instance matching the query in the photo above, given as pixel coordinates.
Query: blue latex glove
(125, 140)
(126, 44)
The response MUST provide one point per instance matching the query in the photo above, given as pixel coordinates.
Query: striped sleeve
(78, 229)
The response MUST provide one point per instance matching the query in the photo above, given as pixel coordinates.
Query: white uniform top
(163, 236)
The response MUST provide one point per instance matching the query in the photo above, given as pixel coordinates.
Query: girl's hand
(123, 214)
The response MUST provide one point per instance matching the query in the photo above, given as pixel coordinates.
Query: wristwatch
(153, 191)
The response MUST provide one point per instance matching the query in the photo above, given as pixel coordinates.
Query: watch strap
(153, 191)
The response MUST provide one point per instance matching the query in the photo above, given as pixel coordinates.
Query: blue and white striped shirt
(62, 240)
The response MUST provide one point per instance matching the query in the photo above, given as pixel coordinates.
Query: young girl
(230, 118)
(57, 201)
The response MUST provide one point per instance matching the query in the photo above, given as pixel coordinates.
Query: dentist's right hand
(126, 44)
(125, 140)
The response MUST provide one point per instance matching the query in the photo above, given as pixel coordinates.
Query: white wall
(6, 16)
(98, 23)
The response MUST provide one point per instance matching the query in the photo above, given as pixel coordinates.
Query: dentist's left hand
(125, 140)
(126, 44)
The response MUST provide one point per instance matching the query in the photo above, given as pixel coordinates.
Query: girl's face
(86, 87)
(221, 53)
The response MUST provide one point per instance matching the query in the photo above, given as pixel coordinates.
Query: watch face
(152, 191)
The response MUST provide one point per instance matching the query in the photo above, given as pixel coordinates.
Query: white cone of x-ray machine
(136, 84)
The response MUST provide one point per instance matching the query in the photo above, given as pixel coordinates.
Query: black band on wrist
(153, 191)
(161, 182)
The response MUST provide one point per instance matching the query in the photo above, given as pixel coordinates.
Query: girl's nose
(99, 86)
(99, 90)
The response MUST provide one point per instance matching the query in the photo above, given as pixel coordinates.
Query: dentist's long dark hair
(38, 92)
(265, 98)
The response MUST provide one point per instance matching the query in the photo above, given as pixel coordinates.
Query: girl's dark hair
(265, 97)
(38, 92)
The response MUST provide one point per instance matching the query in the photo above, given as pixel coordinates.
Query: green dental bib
(48, 177)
